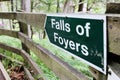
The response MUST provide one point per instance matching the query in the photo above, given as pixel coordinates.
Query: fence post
(24, 28)
(114, 52)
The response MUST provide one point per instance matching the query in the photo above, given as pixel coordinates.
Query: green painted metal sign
(84, 36)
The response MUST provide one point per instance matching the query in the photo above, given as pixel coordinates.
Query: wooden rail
(9, 33)
(28, 73)
(34, 19)
(7, 15)
(114, 35)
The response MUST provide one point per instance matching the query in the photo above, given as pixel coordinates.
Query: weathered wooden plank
(59, 67)
(34, 19)
(1, 75)
(7, 15)
(114, 34)
(29, 76)
(113, 27)
(113, 8)
(9, 33)
(24, 29)
(12, 49)
(4, 73)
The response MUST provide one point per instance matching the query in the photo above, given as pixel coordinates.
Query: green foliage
(11, 42)
(50, 6)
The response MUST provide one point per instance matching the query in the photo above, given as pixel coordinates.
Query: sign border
(86, 16)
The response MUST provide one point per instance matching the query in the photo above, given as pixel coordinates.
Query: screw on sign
(83, 36)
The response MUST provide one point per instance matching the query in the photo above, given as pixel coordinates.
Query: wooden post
(114, 54)
(24, 28)
(26, 7)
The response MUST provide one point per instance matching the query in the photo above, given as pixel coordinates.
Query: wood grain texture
(29, 76)
(34, 19)
(4, 73)
(113, 8)
(114, 35)
(9, 33)
(7, 15)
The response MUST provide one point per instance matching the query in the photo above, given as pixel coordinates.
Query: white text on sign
(80, 30)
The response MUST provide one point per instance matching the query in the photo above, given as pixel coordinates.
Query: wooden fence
(59, 67)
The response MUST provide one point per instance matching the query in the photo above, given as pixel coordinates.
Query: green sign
(84, 36)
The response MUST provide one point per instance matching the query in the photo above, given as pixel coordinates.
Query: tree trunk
(24, 28)
(69, 6)
(58, 6)
(80, 7)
